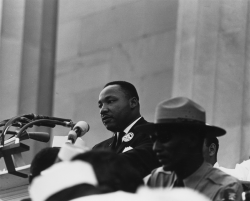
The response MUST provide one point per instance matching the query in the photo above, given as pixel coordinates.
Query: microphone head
(82, 126)
(39, 136)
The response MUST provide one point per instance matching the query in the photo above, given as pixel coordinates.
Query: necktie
(178, 183)
(119, 140)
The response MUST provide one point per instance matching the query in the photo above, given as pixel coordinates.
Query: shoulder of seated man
(221, 178)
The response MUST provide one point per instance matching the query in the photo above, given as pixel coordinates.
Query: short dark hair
(113, 171)
(211, 140)
(43, 160)
(128, 88)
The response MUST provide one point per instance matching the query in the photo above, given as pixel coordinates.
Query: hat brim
(210, 131)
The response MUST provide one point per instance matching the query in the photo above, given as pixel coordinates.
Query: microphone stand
(7, 151)
(24, 122)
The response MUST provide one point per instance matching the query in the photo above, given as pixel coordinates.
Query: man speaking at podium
(120, 113)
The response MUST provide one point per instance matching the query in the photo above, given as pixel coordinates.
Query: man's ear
(212, 149)
(133, 102)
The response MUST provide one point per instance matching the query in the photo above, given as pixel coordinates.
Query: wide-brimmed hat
(182, 113)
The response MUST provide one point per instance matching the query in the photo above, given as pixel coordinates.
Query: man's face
(115, 108)
(172, 149)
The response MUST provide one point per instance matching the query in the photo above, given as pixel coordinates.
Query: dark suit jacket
(141, 157)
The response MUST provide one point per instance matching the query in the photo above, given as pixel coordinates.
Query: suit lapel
(121, 147)
(139, 122)
(126, 144)
(113, 142)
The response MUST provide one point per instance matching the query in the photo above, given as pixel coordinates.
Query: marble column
(212, 68)
(38, 63)
(12, 20)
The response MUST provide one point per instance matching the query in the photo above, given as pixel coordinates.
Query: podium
(14, 188)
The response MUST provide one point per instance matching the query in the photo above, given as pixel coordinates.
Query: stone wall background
(102, 41)
(212, 67)
(56, 55)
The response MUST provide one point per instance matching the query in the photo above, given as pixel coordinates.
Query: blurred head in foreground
(42, 160)
(113, 171)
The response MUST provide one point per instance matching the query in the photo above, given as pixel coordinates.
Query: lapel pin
(128, 137)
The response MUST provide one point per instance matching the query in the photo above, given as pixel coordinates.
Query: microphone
(78, 130)
(73, 145)
(38, 136)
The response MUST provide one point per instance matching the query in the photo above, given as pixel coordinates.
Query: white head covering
(61, 176)
(147, 194)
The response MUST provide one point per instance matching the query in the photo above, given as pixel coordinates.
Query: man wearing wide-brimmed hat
(179, 132)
